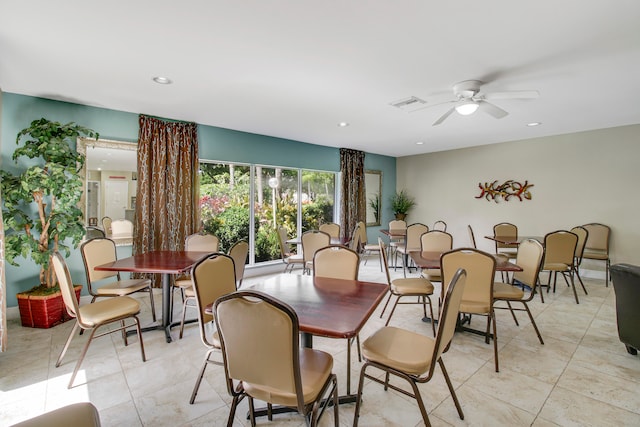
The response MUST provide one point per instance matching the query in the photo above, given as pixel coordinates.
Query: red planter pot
(43, 311)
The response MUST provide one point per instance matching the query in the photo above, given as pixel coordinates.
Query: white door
(116, 195)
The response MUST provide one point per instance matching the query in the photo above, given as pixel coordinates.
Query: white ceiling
(295, 69)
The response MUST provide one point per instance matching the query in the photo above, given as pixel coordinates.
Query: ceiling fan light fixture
(467, 107)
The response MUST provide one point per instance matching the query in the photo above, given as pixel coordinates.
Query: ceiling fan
(468, 100)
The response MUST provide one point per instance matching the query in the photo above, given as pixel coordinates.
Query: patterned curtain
(352, 192)
(167, 196)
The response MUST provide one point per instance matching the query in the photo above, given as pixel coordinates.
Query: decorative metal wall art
(508, 189)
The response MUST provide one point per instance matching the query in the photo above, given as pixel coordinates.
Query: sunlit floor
(581, 376)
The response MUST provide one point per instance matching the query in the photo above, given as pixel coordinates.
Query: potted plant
(401, 204)
(41, 213)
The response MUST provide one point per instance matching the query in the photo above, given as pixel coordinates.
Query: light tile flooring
(581, 376)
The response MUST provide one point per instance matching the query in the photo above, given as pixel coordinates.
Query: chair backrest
(480, 267)
(448, 316)
(529, 258)
(440, 225)
(560, 247)
(356, 237)
(505, 229)
(106, 225)
(66, 285)
(93, 232)
(239, 252)
(336, 262)
(414, 231)
(397, 224)
(598, 237)
(472, 237)
(583, 236)
(121, 228)
(212, 277)
(384, 260)
(285, 248)
(436, 241)
(331, 228)
(363, 232)
(313, 240)
(201, 242)
(97, 252)
(260, 343)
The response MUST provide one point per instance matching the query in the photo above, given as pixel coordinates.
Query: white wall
(578, 178)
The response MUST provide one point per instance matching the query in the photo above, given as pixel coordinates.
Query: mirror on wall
(110, 175)
(373, 193)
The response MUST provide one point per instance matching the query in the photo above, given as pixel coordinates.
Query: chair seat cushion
(591, 254)
(555, 266)
(294, 259)
(123, 287)
(315, 369)
(371, 247)
(399, 349)
(82, 414)
(433, 274)
(411, 286)
(404, 250)
(183, 282)
(189, 292)
(474, 307)
(507, 291)
(108, 309)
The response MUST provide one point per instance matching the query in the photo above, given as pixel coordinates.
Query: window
(296, 199)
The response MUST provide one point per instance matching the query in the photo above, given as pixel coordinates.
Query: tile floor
(582, 376)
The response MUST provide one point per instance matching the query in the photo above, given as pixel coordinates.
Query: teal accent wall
(214, 144)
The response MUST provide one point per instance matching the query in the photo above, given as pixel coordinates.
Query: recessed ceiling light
(532, 124)
(343, 124)
(162, 80)
(419, 143)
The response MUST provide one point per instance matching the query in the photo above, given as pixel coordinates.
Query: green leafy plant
(41, 204)
(374, 204)
(401, 202)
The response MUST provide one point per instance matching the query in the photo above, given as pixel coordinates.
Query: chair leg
(393, 309)
(252, 411)
(139, 331)
(359, 351)
(66, 344)
(512, 313)
(451, 390)
(386, 304)
(433, 320)
(153, 304)
(533, 322)
(538, 284)
(356, 413)
(82, 354)
(200, 375)
(573, 286)
(495, 339)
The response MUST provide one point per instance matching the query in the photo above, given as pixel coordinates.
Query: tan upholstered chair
(472, 237)
(331, 228)
(93, 232)
(354, 243)
(289, 258)
(121, 229)
(100, 251)
(367, 248)
(412, 356)
(411, 243)
(239, 252)
(560, 249)
(478, 294)
(313, 240)
(92, 316)
(583, 236)
(212, 277)
(524, 283)
(338, 262)
(440, 225)
(407, 287)
(396, 226)
(82, 414)
(506, 229)
(198, 242)
(597, 246)
(435, 241)
(263, 358)
(106, 225)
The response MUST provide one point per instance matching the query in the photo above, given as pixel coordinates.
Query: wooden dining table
(164, 263)
(327, 307)
(514, 241)
(431, 260)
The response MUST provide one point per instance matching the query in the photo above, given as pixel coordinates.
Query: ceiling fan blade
(444, 116)
(432, 105)
(492, 110)
(516, 94)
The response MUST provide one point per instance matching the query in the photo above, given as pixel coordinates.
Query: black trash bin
(626, 284)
